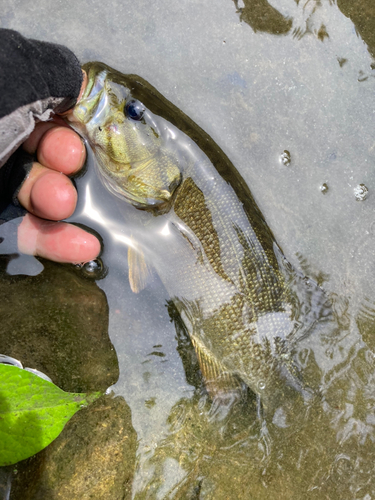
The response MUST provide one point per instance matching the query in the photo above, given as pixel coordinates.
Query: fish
(242, 304)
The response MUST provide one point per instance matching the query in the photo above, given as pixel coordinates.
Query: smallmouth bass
(242, 304)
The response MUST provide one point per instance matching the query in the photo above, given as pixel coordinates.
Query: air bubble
(360, 192)
(343, 465)
(324, 188)
(285, 158)
(261, 385)
(93, 269)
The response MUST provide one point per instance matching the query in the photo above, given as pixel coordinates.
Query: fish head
(133, 159)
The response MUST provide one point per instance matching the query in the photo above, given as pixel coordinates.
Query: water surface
(260, 79)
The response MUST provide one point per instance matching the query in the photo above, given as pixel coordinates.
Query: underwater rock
(93, 458)
(57, 323)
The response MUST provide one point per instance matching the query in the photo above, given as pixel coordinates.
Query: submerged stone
(57, 322)
(93, 458)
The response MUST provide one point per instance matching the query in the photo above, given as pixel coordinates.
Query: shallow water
(257, 94)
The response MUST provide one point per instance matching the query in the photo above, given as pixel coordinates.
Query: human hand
(49, 195)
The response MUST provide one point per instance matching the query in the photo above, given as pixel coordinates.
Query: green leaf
(33, 412)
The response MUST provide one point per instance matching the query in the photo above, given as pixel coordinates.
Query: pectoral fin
(139, 271)
(218, 381)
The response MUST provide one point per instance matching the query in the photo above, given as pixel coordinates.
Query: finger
(61, 149)
(57, 241)
(31, 143)
(58, 146)
(48, 194)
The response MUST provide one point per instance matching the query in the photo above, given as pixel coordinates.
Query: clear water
(258, 94)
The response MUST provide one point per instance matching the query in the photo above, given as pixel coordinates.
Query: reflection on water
(316, 441)
(301, 18)
(306, 415)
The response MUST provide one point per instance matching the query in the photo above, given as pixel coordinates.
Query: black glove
(37, 79)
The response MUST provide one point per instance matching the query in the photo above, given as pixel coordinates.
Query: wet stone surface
(61, 328)
(93, 458)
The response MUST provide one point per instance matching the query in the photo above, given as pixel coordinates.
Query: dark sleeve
(37, 79)
(12, 175)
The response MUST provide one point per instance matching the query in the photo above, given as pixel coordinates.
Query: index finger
(61, 149)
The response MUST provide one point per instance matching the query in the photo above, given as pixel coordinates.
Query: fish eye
(134, 110)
